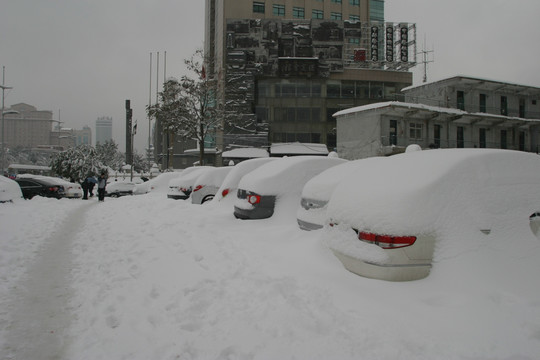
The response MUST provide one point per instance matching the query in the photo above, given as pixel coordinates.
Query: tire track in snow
(40, 313)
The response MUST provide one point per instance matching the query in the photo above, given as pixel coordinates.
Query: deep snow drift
(153, 278)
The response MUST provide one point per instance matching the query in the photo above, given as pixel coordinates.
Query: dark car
(46, 187)
(259, 206)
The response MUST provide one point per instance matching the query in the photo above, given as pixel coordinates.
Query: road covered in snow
(145, 277)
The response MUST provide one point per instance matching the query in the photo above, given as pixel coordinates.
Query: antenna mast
(425, 56)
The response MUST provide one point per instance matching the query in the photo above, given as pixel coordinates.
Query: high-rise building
(84, 136)
(291, 64)
(103, 129)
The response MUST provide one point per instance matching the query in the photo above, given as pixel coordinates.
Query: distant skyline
(82, 59)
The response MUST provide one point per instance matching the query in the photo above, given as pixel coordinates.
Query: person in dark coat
(91, 183)
(102, 183)
(84, 186)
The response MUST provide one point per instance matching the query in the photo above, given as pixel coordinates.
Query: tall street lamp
(4, 88)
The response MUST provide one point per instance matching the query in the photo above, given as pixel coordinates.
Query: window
(504, 106)
(483, 106)
(482, 138)
(354, 2)
(522, 108)
(437, 136)
(298, 12)
(393, 132)
(354, 17)
(354, 41)
(258, 7)
(522, 141)
(279, 10)
(335, 16)
(333, 90)
(461, 100)
(415, 131)
(504, 140)
(317, 14)
(336, 1)
(460, 137)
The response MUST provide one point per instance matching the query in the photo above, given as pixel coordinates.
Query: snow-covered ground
(146, 277)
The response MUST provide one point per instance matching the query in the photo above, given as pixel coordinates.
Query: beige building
(289, 65)
(28, 127)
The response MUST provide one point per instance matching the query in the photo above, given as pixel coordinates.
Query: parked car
(119, 188)
(311, 214)
(158, 182)
(391, 214)
(278, 181)
(180, 188)
(72, 190)
(9, 190)
(229, 186)
(207, 185)
(41, 186)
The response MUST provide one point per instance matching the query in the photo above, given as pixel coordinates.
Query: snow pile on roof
(242, 153)
(401, 105)
(298, 148)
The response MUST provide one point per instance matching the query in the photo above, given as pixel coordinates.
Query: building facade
(27, 127)
(84, 136)
(103, 129)
(458, 112)
(290, 64)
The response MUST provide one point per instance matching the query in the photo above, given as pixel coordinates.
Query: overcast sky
(82, 59)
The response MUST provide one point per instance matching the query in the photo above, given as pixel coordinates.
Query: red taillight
(198, 187)
(53, 189)
(225, 192)
(253, 199)
(387, 241)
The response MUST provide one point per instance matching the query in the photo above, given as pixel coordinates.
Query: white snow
(151, 278)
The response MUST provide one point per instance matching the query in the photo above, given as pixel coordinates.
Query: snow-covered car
(9, 190)
(229, 186)
(207, 185)
(36, 185)
(388, 225)
(72, 190)
(311, 214)
(158, 182)
(119, 188)
(261, 190)
(180, 188)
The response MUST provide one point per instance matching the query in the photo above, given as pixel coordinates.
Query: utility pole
(4, 88)
(129, 138)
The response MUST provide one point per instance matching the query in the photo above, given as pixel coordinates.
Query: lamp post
(4, 88)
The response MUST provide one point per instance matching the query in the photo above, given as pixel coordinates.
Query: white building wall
(359, 137)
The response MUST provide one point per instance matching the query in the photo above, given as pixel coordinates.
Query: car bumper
(308, 226)
(389, 272)
(177, 197)
(253, 214)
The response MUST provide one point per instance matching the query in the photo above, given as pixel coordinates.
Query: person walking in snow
(102, 183)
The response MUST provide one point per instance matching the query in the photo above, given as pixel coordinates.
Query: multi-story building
(458, 112)
(103, 129)
(26, 126)
(290, 64)
(84, 136)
